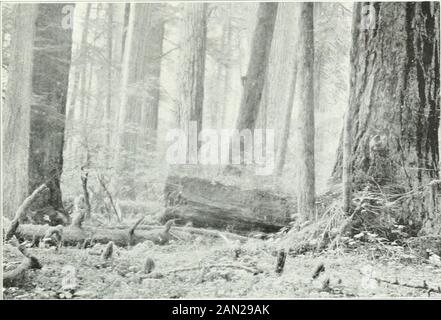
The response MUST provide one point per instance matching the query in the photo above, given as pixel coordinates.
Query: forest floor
(72, 273)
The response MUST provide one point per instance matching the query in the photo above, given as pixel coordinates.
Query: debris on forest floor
(210, 268)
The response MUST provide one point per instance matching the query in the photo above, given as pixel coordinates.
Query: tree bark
(17, 110)
(305, 165)
(256, 74)
(52, 56)
(394, 100)
(191, 74)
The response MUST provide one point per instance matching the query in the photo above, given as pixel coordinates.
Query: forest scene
(175, 150)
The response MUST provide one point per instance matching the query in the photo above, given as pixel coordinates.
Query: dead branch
(132, 231)
(103, 185)
(21, 212)
(254, 271)
(424, 286)
(14, 277)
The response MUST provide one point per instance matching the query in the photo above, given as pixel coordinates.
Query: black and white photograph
(241, 150)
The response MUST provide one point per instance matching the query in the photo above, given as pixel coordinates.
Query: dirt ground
(71, 273)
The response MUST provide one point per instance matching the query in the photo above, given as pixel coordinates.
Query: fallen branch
(213, 266)
(407, 285)
(21, 212)
(16, 276)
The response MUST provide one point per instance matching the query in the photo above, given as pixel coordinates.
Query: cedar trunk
(394, 100)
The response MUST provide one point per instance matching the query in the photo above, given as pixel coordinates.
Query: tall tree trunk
(52, 56)
(17, 110)
(305, 165)
(141, 74)
(192, 65)
(78, 92)
(394, 99)
(141, 69)
(283, 147)
(256, 74)
(282, 72)
(227, 68)
(110, 66)
(118, 15)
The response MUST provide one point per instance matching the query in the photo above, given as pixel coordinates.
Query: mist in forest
(303, 126)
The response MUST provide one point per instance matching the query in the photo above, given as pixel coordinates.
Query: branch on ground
(16, 276)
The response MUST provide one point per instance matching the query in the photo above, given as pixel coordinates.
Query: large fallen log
(73, 235)
(214, 205)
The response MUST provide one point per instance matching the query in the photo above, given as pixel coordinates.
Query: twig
(108, 195)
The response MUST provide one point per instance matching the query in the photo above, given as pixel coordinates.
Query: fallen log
(73, 235)
(209, 204)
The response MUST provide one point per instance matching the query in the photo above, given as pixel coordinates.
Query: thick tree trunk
(305, 165)
(191, 74)
(394, 99)
(52, 56)
(17, 110)
(223, 207)
(256, 74)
